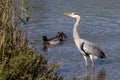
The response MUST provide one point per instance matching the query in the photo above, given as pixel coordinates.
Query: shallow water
(100, 23)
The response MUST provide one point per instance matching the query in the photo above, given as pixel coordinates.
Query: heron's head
(74, 15)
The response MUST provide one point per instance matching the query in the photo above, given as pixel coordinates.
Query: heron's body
(87, 48)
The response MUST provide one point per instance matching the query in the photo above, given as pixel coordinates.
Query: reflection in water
(100, 76)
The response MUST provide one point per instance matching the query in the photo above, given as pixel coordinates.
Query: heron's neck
(75, 33)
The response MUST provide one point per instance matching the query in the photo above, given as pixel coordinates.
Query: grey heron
(87, 48)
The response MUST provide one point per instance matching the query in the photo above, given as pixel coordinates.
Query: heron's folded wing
(92, 49)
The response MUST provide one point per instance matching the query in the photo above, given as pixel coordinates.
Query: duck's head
(64, 35)
(44, 38)
(61, 35)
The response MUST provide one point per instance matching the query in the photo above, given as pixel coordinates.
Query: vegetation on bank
(17, 60)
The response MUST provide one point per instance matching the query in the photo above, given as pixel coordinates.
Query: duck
(51, 41)
(60, 37)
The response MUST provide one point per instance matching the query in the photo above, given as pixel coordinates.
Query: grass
(17, 60)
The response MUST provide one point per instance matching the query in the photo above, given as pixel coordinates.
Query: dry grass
(17, 60)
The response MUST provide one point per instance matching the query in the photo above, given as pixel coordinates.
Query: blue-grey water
(100, 23)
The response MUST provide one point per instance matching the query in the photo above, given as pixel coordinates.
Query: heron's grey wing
(92, 49)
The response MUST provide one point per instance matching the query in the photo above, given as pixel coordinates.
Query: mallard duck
(61, 35)
(53, 41)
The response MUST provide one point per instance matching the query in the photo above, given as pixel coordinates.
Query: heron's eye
(72, 13)
(75, 13)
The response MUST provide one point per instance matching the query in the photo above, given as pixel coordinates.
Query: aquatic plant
(17, 60)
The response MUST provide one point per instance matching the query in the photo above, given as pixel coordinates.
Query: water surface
(100, 23)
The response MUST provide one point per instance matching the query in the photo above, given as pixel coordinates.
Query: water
(100, 23)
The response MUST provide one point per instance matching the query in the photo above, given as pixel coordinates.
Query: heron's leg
(86, 62)
(91, 57)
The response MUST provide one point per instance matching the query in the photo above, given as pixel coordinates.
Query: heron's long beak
(67, 14)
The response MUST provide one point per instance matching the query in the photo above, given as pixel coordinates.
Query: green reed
(17, 60)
